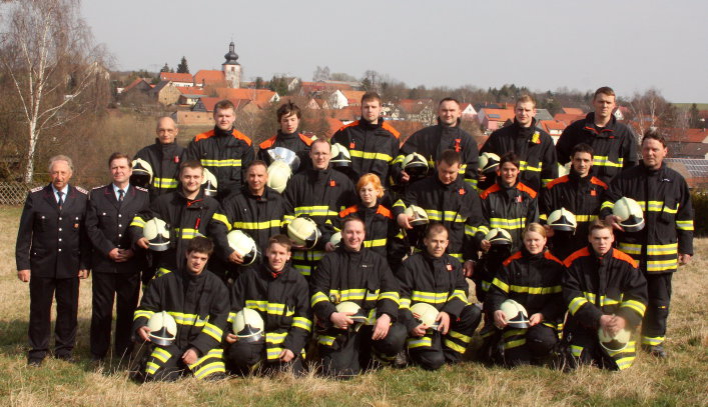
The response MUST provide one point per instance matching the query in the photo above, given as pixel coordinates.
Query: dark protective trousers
(42, 291)
(585, 349)
(125, 288)
(243, 358)
(165, 364)
(654, 323)
(522, 346)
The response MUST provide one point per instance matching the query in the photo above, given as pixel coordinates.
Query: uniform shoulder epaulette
(83, 191)
(37, 189)
(141, 189)
(94, 188)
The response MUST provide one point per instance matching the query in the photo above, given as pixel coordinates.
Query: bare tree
(56, 71)
(650, 110)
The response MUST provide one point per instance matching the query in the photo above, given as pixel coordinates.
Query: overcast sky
(631, 45)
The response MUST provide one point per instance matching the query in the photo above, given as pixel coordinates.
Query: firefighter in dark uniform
(198, 301)
(164, 158)
(579, 192)
(436, 278)
(532, 278)
(280, 294)
(289, 116)
(188, 212)
(614, 144)
(603, 288)
(665, 242)
(116, 266)
(535, 148)
(320, 193)
(53, 252)
(258, 210)
(371, 141)
(224, 151)
(353, 273)
(447, 134)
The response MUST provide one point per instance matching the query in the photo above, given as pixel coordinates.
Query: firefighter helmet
(499, 236)
(630, 214)
(142, 173)
(416, 215)
(340, 156)
(209, 183)
(248, 325)
(614, 343)
(244, 246)
(163, 328)
(488, 162)
(157, 232)
(357, 313)
(563, 220)
(285, 155)
(279, 172)
(336, 239)
(425, 314)
(304, 232)
(515, 313)
(415, 165)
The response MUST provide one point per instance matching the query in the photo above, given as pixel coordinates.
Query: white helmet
(425, 314)
(415, 165)
(304, 232)
(248, 325)
(615, 343)
(157, 232)
(630, 214)
(515, 313)
(563, 220)
(142, 173)
(244, 246)
(285, 155)
(163, 328)
(209, 183)
(336, 239)
(498, 236)
(488, 162)
(358, 314)
(279, 172)
(417, 215)
(340, 156)
(563, 169)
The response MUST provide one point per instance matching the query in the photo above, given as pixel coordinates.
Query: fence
(14, 193)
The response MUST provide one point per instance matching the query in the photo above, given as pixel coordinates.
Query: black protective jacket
(373, 148)
(382, 231)
(261, 217)
(295, 142)
(511, 209)
(165, 160)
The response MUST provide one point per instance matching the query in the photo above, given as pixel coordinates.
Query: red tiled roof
(176, 77)
(190, 90)
(135, 83)
(353, 96)
(309, 87)
(209, 77)
(504, 114)
(261, 96)
(210, 102)
(573, 110)
(686, 135)
(549, 125)
(568, 118)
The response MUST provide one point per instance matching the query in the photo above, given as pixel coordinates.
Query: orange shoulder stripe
(598, 182)
(204, 136)
(549, 256)
(308, 141)
(390, 129)
(557, 181)
(620, 255)
(268, 143)
(238, 135)
(522, 187)
(580, 253)
(352, 124)
(492, 189)
(349, 211)
(382, 210)
(511, 258)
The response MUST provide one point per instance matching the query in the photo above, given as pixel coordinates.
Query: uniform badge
(519, 199)
(462, 191)
(536, 138)
(593, 192)
(352, 145)
(176, 159)
(449, 267)
(457, 145)
(332, 183)
(76, 225)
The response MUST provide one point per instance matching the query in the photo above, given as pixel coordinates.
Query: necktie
(121, 193)
(61, 199)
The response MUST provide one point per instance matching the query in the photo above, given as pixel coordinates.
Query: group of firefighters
(351, 253)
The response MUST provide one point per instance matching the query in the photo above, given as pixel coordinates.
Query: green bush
(700, 209)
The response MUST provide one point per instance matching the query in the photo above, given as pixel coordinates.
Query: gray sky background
(630, 45)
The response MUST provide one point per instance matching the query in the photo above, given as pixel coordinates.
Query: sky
(630, 45)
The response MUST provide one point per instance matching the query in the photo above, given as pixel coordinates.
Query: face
(191, 179)
(653, 153)
(508, 173)
(61, 174)
(371, 110)
(525, 113)
(353, 235)
(368, 194)
(224, 118)
(166, 130)
(320, 155)
(257, 178)
(196, 262)
(449, 112)
(582, 163)
(436, 243)
(534, 242)
(604, 105)
(289, 123)
(120, 170)
(601, 240)
(278, 255)
(447, 174)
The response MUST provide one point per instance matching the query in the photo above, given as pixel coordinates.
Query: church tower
(232, 69)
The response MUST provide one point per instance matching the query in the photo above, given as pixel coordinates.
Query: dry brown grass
(682, 380)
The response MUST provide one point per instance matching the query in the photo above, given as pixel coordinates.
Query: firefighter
(354, 275)
(579, 192)
(532, 278)
(224, 151)
(319, 193)
(53, 252)
(603, 289)
(280, 295)
(289, 116)
(665, 242)
(535, 148)
(115, 264)
(164, 158)
(434, 277)
(198, 301)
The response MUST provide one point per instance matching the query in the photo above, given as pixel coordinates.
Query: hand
(235, 258)
(329, 247)
(614, 324)
(383, 323)
(485, 245)
(144, 333)
(115, 254)
(549, 231)
(613, 221)
(190, 357)
(341, 320)
(684, 258)
(405, 177)
(143, 243)
(404, 221)
(605, 323)
(126, 254)
(468, 268)
(23, 275)
(499, 319)
(480, 176)
(444, 319)
(536, 319)
(231, 338)
(286, 356)
(419, 331)
(83, 274)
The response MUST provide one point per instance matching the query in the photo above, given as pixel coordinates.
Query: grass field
(681, 380)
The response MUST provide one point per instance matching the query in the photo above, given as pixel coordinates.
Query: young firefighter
(436, 278)
(603, 289)
(532, 278)
(280, 295)
(198, 301)
(289, 116)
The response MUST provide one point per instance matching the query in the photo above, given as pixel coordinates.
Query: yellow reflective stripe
(308, 255)
(624, 363)
(458, 256)
(590, 296)
(576, 303)
(585, 218)
(482, 229)
(165, 183)
(460, 295)
(631, 348)
(636, 306)
(431, 298)
(653, 341)
(259, 305)
(274, 223)
(302, 323)
(524, 166)
(151, 368)
(142, 314)
(161, 272)
(470, 230)
(276, 337)
(161, 355)
(607, 205)
(399, 203)
(661, 265)
(423, 341)
(229, 162)
(544, 217)
(320, 210)
(536, 290)
(447, 216)
(317, 298)
(576, 350)
(375, 243)
(138, 222)
(662, 249)
(213, 331)
(508, 224)
(604, 161)
(370, 156)
(515, 343)
(187, 319)
(326, 340)
(454, 346)
(630, 248)
(211, 368)
(389, 295)
(353, 294)
(222, 218)
(187, 233)
(684, 224)
(404, 303)
(273, 353)
(502, 285)
(398, 160)
(545, 181)
(464, 338)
